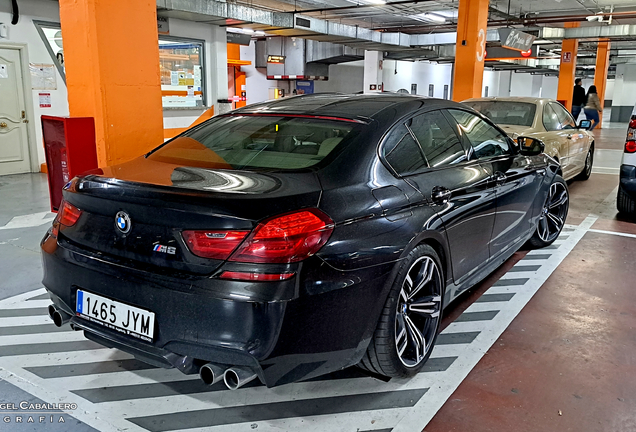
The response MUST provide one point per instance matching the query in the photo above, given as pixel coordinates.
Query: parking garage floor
(545, 343)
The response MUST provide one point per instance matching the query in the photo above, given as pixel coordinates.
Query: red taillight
(68, 214)
(632, 123)
(287, 238)
(213, 244)
(246, 276)
(630, 147)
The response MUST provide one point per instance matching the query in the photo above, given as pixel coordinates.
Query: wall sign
(566, 57)
(163, 27)
(276, 59)
(45, 100)
(43, 76)
(304, 87)
(239, 38)
(373, 86)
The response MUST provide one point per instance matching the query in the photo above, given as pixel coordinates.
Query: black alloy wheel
(408, 327)
(589, 161)
(553, 214)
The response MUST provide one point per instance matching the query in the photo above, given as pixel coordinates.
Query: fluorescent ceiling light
(240, 30)
(370, 2)
(429, 17)
(449, 13)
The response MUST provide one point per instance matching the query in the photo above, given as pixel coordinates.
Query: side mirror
(585, 124)
(530, 146)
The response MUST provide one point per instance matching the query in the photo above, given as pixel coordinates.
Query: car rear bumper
(628, 180)
(319, 331)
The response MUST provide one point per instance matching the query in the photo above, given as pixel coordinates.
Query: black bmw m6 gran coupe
(297, 237)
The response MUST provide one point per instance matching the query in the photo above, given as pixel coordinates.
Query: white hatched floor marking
(107, 416)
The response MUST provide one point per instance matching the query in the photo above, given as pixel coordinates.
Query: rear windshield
(255, 142)
(506, 112)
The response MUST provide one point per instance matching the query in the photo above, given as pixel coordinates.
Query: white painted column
(537, 85)
(217, 77)
(505, 81)
(373, 71)
(624, 92)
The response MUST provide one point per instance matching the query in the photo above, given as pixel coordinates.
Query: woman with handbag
(593, 107)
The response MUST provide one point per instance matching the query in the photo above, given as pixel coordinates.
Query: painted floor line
(621, 234)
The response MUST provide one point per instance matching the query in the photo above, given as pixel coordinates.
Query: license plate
(115, 315)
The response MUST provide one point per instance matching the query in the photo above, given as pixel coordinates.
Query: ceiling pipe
(520, 21)
(361, 6)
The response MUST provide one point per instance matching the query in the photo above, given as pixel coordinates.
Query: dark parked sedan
(298, 237)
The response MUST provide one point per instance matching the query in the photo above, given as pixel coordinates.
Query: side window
(402, 152)
(566, 121)
(485, 139)
(550, 119)
(438, 139)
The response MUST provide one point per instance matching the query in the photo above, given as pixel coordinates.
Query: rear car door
(578, 141)
(457, 189)
(515, 178)
(558, 138)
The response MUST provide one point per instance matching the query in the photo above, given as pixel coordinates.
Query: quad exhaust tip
(59, 317)
(237, 377)
(211, 373)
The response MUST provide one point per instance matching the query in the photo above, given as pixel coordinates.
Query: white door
(14, 144)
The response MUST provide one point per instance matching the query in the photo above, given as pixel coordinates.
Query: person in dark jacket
(578, 98)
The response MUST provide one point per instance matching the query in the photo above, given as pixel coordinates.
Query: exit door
(14, 143)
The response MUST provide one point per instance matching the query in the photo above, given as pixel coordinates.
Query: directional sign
(515, 39)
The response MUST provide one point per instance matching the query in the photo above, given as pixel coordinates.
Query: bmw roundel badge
(122, 222)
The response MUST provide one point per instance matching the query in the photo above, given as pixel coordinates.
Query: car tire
(406, 332)
(587, 168)
(553, 214)
(625, 204)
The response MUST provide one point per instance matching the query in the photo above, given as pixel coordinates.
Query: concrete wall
(24, 32)
(343, 78)
(421, 73)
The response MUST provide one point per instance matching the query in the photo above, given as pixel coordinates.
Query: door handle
(541, 172)
(499, 177)
(440, 195)
(3, 125)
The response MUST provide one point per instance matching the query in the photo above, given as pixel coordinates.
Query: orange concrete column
(470, 49)
(111, 53)
(567, 69)
(600, 73)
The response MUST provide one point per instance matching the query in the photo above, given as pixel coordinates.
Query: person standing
(578, 98)
(593, 107)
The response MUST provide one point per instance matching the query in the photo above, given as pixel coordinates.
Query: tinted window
(402, 152)
(506, 112)
(485, 139)
(253, 142)
(566, 121)
(550, 119)
(438, 139)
